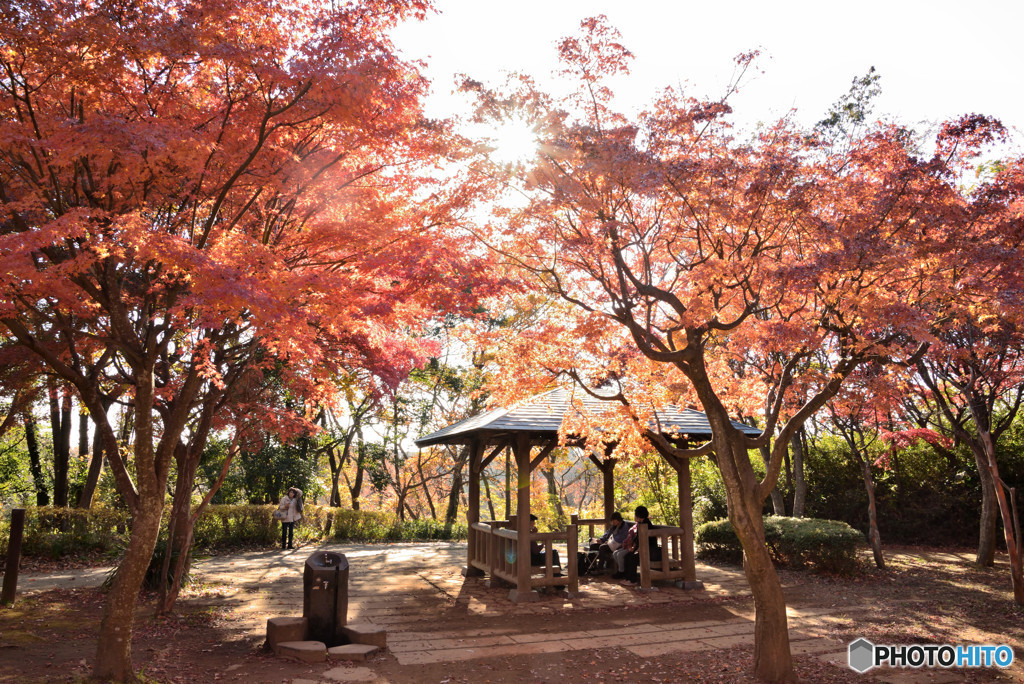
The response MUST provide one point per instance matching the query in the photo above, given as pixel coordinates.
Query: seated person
(611, 540)
(631, 547)
(537, 556)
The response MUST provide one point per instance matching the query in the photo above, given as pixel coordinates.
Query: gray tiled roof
(542, 416)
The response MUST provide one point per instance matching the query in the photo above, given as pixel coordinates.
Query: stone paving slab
(348, 674)
(651, 650)
(815, 646)
(730, 641)
(420, 577)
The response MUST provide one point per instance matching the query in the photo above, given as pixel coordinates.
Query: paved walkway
(423, 581)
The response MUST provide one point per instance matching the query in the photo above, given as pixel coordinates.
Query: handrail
(590, 523)
(496, 550)
(670, 565)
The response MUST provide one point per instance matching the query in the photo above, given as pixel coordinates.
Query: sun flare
(512, 142)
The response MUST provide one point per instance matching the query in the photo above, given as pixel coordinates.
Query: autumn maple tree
(862, 414)
(198, 194)
(751, 274)
(971, 382)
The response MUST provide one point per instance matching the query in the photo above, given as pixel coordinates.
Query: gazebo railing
(592, 525)
(496, 552)
(672, 565)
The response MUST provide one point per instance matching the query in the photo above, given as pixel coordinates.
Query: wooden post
(13, 557)
(473, 511)
(570, 562)
(644, 567)
(690, 581)
(608, 471)
(686, 518)
(508, 486)
(523, 591)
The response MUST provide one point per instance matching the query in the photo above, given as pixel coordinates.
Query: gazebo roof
(541, 416)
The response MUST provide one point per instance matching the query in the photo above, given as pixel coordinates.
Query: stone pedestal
(304, 651)
(366, 634)
(281, 629)
(325, 596)
(353, 652)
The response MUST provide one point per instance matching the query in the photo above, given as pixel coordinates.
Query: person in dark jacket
(632, 546)
(612, 540)
(537, 556)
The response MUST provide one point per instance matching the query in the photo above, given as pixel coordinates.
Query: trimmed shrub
(229, 526)
(824, 545)
(66, 532)
(60, 532)
(377, 526)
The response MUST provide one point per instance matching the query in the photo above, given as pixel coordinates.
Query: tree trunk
(400, 506)
(113, 652)
(772, 659)
(799, 483)
(874, 536)
(989, 508)
(34, 462)
(180, 530)
(1012, 551)
(608, 486)
(60, 424)
(95, 470)
(553, 497)
(778, 501)
(487, 493)
(83, 432)
(335, 464)
(151, 461)
(452, 513)
(357, 482)
(426, 490)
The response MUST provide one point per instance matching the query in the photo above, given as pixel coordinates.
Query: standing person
(290, 512)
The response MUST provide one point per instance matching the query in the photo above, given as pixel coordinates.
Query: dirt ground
(925, 596)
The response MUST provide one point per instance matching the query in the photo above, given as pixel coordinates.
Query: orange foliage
(204, 199)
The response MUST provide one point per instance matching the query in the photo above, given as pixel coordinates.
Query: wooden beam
(490, 457)
(544, 452)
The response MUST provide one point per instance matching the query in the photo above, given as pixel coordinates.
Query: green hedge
(376, 526)
(824, 545)
(67, 532)
(61, 532)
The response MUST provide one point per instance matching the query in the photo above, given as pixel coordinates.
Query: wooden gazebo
(530, 431)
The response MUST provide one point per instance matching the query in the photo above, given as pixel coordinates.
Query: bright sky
(937, 59)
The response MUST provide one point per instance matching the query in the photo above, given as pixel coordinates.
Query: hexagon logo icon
(861, 655)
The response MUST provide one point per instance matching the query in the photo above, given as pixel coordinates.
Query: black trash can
(325, 596)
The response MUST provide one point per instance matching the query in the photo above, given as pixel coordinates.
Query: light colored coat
(290, 508)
